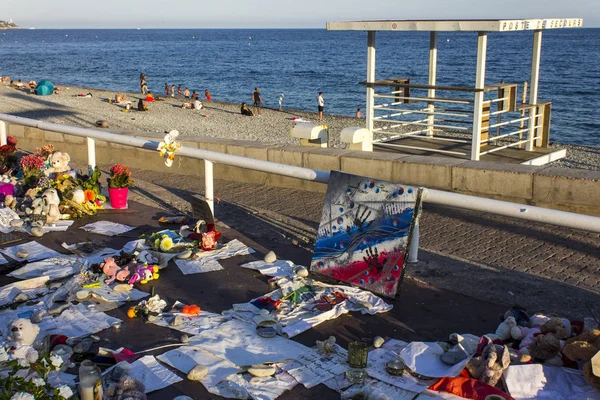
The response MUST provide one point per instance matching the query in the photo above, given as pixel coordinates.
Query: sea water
(301, 62)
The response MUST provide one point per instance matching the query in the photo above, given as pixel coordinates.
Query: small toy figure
(21, 335)
(143, 274)
(113, 271)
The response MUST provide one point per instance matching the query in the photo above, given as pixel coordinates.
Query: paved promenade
(543, 267)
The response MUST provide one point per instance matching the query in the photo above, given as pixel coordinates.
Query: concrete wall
(558, 188)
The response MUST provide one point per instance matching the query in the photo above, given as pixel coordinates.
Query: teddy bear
(59, 162)
(113, 271)
(489, 366)
(586, 348)
(10, 201)
(21, 335)
(545, 340)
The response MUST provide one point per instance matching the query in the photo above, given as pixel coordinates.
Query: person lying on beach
(121, 99)
(196, 105)
(32, 84)
(19, 84)
(244, 110)
(83, 95)
(6, 79)
(142, 106)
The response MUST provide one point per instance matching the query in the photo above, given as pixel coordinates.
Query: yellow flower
(166, 244)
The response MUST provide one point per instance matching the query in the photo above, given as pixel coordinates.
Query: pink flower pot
(118, 197)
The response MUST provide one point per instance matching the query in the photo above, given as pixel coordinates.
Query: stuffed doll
(586, 348)
(21, 335)
(59, 162)
(51, 203)
(143, 274)
(113, 271)
(488, 367)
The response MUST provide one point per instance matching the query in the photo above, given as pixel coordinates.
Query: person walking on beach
(207, 94)
(172, 90)
(143, 84)
(321, 104)
(256, 101)
(281, 97)
(179, 92)
(186, 93)
(167, 89)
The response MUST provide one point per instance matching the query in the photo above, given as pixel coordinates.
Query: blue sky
(275, 14)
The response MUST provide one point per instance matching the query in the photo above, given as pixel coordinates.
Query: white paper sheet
(32, 288)
(424, 359)
(53, 268)
(3, 260)
(208, 260)
(537, 381)
(246, 386)
(278, 268)
(107, 228)
(192, 325)
(374, 389)
(153, 375)
(78, 321)
(36, 251)
(378, 358)
(107, 293)
(59, 226)
(7, 215)
(312, 368)
(238, 342)
(186, 358)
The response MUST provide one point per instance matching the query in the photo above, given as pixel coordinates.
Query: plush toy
(586, 348)
(21, 335)
(113, 271)
(143, 274)
(10, 202)
(59, 162)
(78, 196)
(488, 367)
(51, 203)
(560, 327)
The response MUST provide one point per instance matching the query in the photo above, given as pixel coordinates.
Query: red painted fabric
(468, 388)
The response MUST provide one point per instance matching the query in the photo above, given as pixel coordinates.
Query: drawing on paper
(364, 232)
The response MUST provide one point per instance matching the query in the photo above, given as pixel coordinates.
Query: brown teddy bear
(583, 348)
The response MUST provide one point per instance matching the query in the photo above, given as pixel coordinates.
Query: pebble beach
(217, 120)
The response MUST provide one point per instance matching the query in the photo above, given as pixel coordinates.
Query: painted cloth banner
(364, 232)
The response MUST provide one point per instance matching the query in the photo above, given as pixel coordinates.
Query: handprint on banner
(372, 259)
(360, 219)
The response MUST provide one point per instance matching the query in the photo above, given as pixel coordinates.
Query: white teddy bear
(51, 203)
(59, 162)
(21, 335)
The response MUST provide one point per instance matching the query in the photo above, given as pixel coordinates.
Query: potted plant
(118, 185)
(33, 169)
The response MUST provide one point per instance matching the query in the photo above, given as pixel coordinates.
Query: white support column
(368, 139)
(413, 251)
(479, 84)
(2, 133)
(209, 185)
(91, 148)
(533, 88)
(432, 77)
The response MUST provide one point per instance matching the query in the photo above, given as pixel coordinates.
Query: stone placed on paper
(22, 254)
(16, 223)
(185, 254)
(270, 257)
(261, 370)
(197, 373)
(37, 231)
(378, 342)
(301, 271)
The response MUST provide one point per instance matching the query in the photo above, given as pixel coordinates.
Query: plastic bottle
(90, 381)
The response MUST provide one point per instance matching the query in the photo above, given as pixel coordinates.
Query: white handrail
(514, 210)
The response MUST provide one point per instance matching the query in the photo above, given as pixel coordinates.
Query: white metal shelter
(473, 112)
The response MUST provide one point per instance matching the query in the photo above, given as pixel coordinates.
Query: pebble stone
(197, 373)
(378, 342)
(22, 254)
(261, 370)
(270, 257)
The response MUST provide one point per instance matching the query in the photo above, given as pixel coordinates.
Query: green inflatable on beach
(44, 88)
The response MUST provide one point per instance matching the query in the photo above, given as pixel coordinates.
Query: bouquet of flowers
(8, 160)
(33, 167)
(22, 380)
(120, 177)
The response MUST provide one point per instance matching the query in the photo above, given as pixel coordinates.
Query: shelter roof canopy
(481, 25)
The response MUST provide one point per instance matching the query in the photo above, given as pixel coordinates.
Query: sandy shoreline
(217, 120)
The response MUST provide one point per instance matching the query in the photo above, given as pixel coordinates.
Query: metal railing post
(478, 103)
(209, 185)
(533, 90)
(2, 133)
(432, 79)
(413, 251)
(91, 148)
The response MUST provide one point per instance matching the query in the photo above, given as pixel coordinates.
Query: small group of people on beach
(184, 93)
